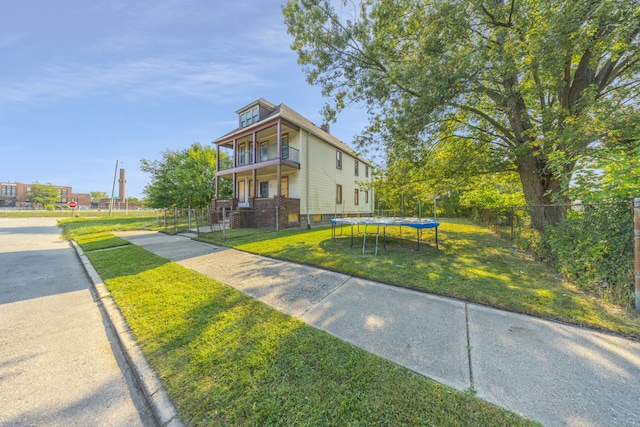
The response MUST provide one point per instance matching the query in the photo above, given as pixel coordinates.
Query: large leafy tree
(44, 194)
(181, 178)
(533, 84)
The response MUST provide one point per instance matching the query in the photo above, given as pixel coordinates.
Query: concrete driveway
(57, 362)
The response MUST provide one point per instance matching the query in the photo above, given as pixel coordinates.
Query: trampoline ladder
(364, 239)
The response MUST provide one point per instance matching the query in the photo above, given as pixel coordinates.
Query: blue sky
(86, 83)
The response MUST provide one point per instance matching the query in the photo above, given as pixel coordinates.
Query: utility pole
(113, 188)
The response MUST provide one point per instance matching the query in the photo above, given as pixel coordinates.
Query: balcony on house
(264, 153)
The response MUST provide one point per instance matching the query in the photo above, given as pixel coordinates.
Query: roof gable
(294, 117)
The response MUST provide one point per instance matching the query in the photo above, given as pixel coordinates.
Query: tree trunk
(541, 190)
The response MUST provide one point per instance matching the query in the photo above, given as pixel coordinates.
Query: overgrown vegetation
(593, 247)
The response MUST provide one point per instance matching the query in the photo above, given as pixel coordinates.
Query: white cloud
(134, 80)
(176, 48)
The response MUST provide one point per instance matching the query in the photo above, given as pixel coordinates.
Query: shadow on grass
(126, 261)
(470, 264)
(227, 359)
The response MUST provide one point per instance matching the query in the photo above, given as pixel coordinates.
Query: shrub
(593, 247)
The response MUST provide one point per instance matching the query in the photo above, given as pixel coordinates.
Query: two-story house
(287, 172)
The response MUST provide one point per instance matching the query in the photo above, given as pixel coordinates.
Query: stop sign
(72, 205)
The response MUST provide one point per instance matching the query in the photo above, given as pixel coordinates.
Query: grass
(66, 213)
(97, 233)
(471, 264)
(227, 359)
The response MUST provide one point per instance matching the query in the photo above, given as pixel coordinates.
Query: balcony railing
(263, 154)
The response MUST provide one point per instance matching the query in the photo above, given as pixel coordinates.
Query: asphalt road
(60, 364)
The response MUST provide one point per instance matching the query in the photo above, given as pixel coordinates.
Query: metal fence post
(636, 249)
(224, 228)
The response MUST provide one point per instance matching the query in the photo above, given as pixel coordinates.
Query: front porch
(278, 212)
(264, 149)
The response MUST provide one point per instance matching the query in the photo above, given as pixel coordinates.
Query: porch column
(235, 158)
(254, 173)
(217, 170)
(255, 149)
(279, 148)
(235, 187)
(254, 183)
(217, 157)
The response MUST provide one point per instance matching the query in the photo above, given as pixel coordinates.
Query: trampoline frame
(418, 224)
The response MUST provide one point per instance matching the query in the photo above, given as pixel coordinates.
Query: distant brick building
(17, 195)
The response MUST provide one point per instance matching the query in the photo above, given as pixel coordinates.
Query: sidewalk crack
(466, 314)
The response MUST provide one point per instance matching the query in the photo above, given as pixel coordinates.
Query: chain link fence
(195, 221)
(591, 244)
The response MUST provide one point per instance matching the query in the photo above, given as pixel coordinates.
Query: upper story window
(366, 171)
(249, 116)
(339, 159)
(356, 167)
(284, 142)
(8, 190)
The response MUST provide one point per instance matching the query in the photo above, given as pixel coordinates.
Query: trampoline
(418, 224)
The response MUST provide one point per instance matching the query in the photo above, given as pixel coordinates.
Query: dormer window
(249, 116)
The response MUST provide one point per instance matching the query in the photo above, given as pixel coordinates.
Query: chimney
(325, 127)
(121, 187)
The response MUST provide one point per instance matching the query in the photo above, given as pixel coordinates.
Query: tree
(181, 178)
(613, 176)
(134, 200)
(44, 194)
(535, 83)
(96, 196)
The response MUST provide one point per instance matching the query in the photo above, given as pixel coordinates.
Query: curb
(161, 405)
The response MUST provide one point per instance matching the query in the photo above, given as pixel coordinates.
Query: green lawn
(69, 213)
(227, 359)
(470, 264)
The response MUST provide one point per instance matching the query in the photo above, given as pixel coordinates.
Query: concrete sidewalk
(553, 373)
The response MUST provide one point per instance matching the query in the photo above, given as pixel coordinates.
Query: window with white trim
(250, 116)
(339, 159)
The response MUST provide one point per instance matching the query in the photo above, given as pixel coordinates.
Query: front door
(242, 195)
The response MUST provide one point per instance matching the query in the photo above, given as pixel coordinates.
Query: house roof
(261, 101)
(294, 117)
